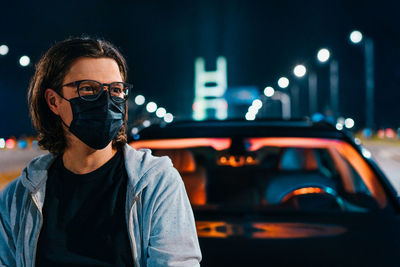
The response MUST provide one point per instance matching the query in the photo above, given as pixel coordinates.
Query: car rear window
(325, 175)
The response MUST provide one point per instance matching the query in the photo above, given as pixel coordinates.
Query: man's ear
(52, 100)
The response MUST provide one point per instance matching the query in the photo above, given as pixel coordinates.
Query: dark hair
(50, 72)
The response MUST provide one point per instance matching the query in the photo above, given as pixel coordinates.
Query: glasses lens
(89, 90)
(119, 89)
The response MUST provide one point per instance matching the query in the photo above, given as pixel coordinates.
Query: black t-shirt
(84, 217)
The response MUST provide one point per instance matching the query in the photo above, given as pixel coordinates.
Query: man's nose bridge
(106, 86)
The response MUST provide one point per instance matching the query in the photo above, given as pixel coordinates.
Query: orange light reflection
(216, 143)
(344, 149)
(303, 191)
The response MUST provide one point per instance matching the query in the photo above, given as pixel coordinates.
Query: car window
(318, 176)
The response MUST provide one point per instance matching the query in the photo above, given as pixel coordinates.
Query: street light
(151, 107)
(283, 82)
(356, 37)
(323, 55)
(24, 61)
(3, 50)
(299, 71)
(139, 100)
(285, 101)
(269, 91)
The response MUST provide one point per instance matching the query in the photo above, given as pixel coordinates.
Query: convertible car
(281, 193)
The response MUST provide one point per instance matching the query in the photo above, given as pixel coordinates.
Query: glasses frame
(77, 83)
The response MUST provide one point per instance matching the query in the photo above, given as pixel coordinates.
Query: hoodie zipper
(40, 228)
(130, 232)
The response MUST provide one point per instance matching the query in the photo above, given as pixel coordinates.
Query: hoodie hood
(138, 163)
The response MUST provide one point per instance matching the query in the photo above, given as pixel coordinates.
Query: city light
(356, 37)
(10, 143)
(22, 144)
(339, 126)
(3, 50)
(134, 130)
(252, 110)
(146, 123)
(299, 71)
(257, 103)
(139, 100)
(2, 143)
(269, 91)
(168, 118)
(250, 116)
(323, 55)
(161, 112)
(283, 82)
(151, 107)
(366, 153)
(24, 61)
(349, 123)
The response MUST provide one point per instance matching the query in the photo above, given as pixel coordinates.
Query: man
(93, 201)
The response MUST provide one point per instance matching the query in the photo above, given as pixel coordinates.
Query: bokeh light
(139, 100)
(323, 55)
(283, 82)
(161, 112)
(151, 107)
(300, 71)
(168, 118)
(24, 61)
(269, 91)
(3, 50)
(356, 37)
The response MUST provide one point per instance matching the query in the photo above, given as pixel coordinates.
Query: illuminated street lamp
(349, 123)
(356, 37)
(283, 82)
(139, 100)
(24, 61)
(3, 50)
(269, 91)
(151, 107)
(300, 71)
(323, 55)
(285, 101)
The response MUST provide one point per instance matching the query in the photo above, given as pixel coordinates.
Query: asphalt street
(387, 156)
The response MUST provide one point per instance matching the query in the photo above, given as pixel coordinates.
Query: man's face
(104, 70)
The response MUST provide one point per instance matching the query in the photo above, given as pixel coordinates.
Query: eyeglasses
(90, 90)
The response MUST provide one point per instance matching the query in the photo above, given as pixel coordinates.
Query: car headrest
(182, 159)
(295, 159)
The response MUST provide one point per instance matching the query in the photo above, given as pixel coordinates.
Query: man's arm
(173, 238)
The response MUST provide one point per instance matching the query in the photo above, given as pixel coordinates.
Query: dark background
(262, 40)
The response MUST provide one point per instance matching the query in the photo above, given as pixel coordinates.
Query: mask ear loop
(59, 115)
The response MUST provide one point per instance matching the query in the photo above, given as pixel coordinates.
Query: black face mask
(97, 122)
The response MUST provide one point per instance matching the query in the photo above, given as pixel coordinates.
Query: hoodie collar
(138, 163)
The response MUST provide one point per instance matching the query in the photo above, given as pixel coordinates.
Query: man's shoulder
(145, 168)
(30, 179)
(143, 162)
(12, 194)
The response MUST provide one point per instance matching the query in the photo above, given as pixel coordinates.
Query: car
(281, 193)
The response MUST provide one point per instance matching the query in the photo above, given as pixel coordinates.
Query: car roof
(242, 128)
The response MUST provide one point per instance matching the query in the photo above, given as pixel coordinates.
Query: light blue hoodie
(158, 213)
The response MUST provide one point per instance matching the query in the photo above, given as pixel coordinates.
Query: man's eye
(86, 88)
(116, 90)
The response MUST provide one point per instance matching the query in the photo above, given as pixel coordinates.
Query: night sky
(262, 40)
